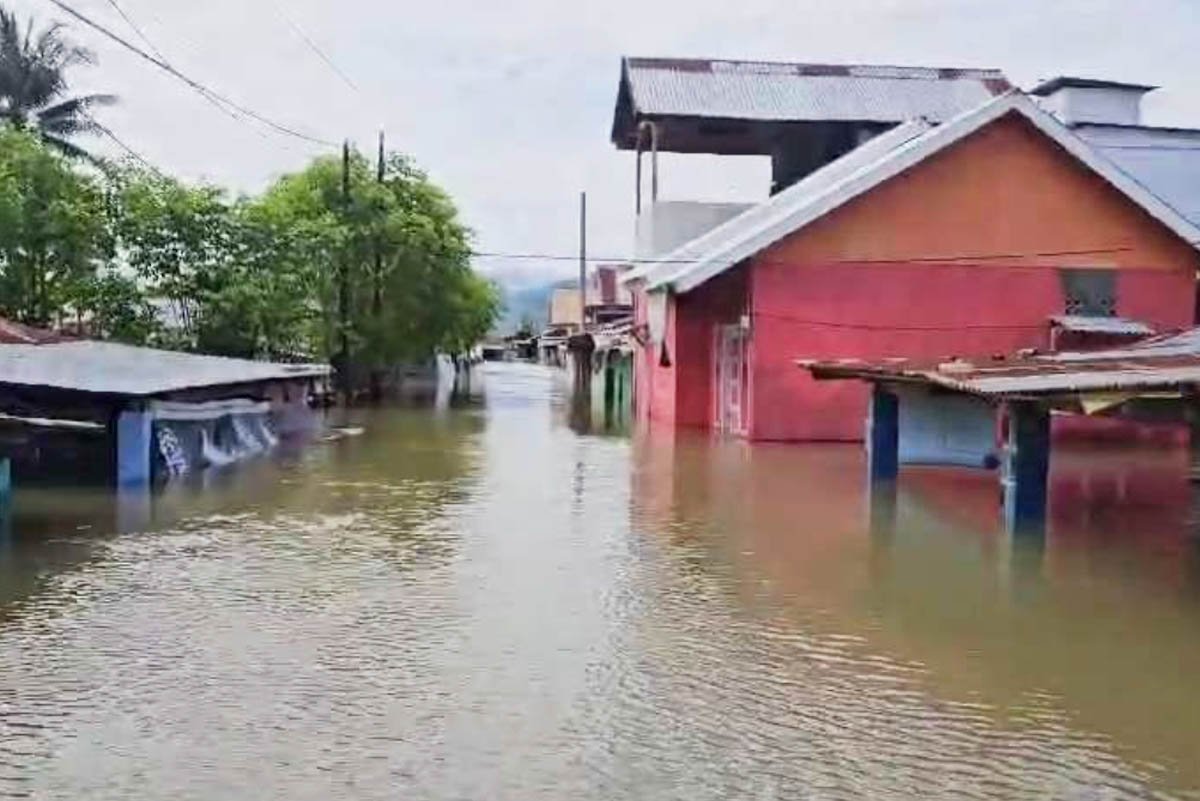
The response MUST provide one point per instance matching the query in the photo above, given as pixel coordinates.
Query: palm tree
(33, 84)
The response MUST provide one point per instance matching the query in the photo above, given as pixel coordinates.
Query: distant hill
(528, 302)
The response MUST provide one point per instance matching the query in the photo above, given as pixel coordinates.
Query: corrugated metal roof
(111, 368)
(1164, 160)
(1161, 363)
(855, 174)
(805, 92)
(1100, 325)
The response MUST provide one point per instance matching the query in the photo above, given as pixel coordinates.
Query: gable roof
(779, 204)
(1164, 160)
(808, 201)
(778, 92)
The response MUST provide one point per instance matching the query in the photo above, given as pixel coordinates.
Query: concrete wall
(959, 256)
(915, 311)
(1073, 104)
(667, 224)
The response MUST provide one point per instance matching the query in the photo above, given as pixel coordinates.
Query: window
(1089, 293)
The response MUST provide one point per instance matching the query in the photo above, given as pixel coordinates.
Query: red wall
(929, 311)
(680, 392)
(959, 255)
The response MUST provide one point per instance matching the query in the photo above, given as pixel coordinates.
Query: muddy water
(480, 603)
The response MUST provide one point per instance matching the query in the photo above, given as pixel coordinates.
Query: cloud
(509, 104)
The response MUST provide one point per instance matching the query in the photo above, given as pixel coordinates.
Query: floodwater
(480, 603)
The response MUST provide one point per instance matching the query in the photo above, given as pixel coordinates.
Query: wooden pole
(582, 261)
(377, 283)
(377, 298)
(344, 280)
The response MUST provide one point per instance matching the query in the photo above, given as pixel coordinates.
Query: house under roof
(744, 107)
(868, 166)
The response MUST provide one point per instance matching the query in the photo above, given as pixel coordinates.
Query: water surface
(481, 603)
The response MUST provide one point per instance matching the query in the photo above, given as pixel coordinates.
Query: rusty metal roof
(793, 92)
(113, 369)
(1165, 362)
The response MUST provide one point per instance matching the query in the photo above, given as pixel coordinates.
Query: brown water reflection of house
(1097, 619)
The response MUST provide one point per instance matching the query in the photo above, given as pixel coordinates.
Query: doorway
(731, 379)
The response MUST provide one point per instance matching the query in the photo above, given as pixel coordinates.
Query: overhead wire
(136, 29)
(941, 259)
(194, 84)
(149, 43)
(136, 156)
(312, 45)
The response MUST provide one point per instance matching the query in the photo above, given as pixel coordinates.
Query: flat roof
(109, 368)
(1068, 81)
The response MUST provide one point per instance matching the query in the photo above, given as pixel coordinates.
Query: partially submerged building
(955, 405)
(932, 212)
(80, 410)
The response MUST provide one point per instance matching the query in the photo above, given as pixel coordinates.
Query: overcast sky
(509, 104)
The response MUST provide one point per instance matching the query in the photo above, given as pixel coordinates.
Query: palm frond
(68, 148)
(33, 82)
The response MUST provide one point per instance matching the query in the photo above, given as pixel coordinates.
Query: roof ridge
(816, 69)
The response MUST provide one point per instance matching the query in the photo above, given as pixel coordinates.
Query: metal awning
(1157, 364)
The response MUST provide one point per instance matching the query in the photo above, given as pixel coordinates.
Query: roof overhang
(753, 117)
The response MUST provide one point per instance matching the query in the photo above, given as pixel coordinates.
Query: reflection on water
(476, 601)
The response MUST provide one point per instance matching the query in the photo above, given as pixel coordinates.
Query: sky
(508, 105)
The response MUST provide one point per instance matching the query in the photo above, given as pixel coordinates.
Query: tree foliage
(370, 278)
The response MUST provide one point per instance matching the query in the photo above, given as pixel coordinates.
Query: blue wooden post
(883, 435)
(133, 448)
(5, 499)
(1026, 472)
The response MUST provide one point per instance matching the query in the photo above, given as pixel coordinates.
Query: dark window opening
(1089, 293)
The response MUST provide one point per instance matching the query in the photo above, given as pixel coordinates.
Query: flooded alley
(482, 602)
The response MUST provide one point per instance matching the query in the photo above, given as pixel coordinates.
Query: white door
(730, 379)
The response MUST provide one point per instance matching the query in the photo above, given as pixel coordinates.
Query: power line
(136, 156)
(947, 260)
(196, 85)
(141, 34)
(295, 26)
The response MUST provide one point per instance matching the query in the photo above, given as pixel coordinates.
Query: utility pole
(377, 298)
(344, 277)
(377, 281)
(582, 261)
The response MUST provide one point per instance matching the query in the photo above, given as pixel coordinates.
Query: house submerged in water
(88, 411)
(918, 213)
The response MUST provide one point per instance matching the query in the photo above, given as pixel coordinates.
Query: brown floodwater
(481, 602)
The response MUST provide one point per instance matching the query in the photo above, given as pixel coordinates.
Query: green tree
(394, 282)
(54, 233)
(33, 84)
(177, 239)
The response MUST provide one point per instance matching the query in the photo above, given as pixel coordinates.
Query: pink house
(965, 236)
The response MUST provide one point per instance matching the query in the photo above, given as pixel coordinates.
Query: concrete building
(963, 231)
